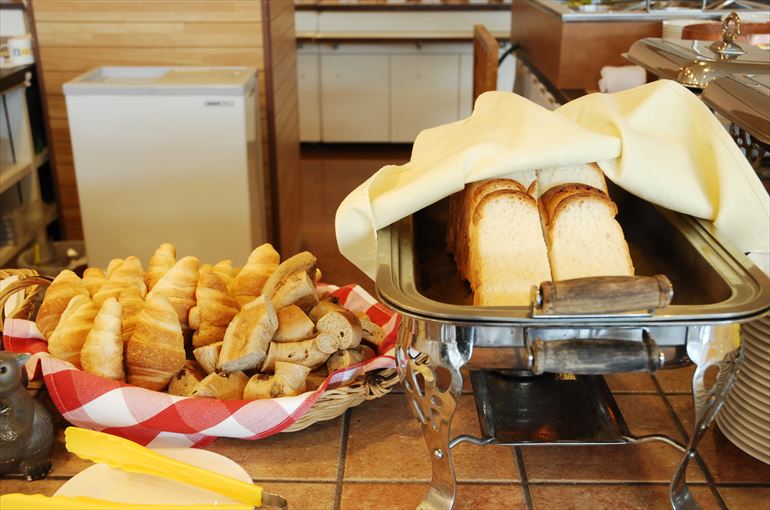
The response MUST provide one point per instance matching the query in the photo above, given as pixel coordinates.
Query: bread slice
(588, 173)
(507, 253)
(583, 237)
(474, 192)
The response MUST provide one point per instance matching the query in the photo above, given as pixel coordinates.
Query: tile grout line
(523, 476)
(341, 459)
(698, 460)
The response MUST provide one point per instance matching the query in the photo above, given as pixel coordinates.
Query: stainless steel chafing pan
(714, 285)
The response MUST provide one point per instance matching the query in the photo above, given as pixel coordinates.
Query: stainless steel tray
(744, 100)
(712, 281)
(694, 63)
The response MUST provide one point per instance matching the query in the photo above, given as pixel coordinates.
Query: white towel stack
(616, 79)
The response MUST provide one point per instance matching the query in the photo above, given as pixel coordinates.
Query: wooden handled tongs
(128, 456)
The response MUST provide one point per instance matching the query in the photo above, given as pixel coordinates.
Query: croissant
(112, 266)
(226, 271)
(70, 334)
(178, 286)
(132, 303)
(102, 352)
(64, 287)
(214, 310)
(93, 279)
(248, 283)
(161, 261)
(128, 274)
(155, 352)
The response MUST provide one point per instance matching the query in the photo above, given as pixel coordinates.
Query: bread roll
(301, 262)
(207, 356)
(178, 287)
(299, 289)
(507, 253)
(183, 383)
(343, 324)
(227, 386)
(248, 336)
(155, 352)
(112, 266)
(293, 325)
(289, 380)
(102, 352)
(70, 334)
(65, 286)
(161, 261)
(214, 308)
(248, 283)
(226, 271)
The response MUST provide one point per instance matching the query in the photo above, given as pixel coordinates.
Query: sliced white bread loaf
(474, 193)
(507, 253)
(588, 173)
(582, 235)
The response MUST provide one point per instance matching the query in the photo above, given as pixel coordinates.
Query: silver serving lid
(743, 100)
(695, 63)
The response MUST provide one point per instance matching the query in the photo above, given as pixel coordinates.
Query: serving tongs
(120, 453)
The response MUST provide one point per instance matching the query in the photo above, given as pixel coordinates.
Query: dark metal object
(551, 408)
(26, 429)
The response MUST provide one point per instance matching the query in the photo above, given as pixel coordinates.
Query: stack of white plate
(672, 28)
(745, 417)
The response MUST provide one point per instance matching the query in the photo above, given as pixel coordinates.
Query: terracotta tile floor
(373, 457)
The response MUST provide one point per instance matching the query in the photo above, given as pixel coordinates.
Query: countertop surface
(374, 457)
(402, 5)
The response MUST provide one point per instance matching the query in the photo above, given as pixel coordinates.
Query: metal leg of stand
(721, 352)
(431, 377)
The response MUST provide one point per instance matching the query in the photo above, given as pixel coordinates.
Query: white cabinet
(354, 95)
(424, 92)
(308, 83)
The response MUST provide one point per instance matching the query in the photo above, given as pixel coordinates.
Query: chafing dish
(695, 63)
(744, 100)
(715, 287)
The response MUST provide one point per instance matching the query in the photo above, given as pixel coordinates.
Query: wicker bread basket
(331, 404)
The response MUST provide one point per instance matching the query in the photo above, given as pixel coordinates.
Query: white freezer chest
(167, 155)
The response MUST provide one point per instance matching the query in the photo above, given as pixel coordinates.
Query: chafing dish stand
(549, 355)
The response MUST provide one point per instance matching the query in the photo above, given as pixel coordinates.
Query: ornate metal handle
(729, 36)
(727, 48)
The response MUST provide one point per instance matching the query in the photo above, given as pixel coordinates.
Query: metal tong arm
(602, 295)
(129, 456)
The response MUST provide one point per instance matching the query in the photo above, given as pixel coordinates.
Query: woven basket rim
(329, 405)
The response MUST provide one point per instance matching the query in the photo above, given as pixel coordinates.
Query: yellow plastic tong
(128, 456)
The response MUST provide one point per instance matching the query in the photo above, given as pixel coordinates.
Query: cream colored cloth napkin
(657, 141)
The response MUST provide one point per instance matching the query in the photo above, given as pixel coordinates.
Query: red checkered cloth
(158, 419)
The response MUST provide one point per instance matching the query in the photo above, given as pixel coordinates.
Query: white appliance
(168, 155)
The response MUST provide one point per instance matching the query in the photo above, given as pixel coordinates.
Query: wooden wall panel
(282, 101)
(74, 36)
